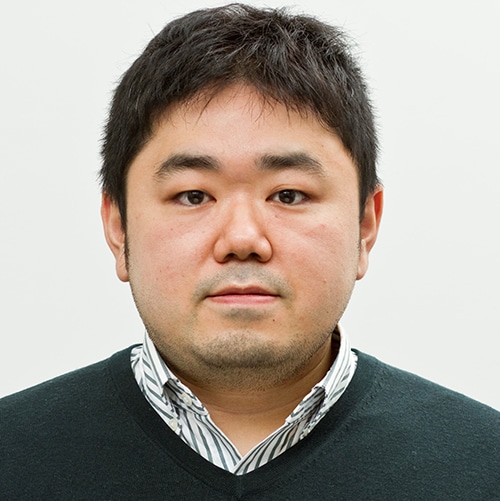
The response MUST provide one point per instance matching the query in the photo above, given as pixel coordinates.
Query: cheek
(170, 254)
(336, 241)
(326, 257)
(158, 253)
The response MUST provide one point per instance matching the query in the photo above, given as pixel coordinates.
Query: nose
(243, 234)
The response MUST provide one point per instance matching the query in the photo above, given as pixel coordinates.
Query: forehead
(239, 125)
(243, 105)
(246, 98)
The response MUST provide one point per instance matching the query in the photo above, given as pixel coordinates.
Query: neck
(248, 417)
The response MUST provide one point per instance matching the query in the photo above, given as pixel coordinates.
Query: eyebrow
(273, 162)
(297, 160)
(181, 162)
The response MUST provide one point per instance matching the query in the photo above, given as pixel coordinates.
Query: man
(241, 202)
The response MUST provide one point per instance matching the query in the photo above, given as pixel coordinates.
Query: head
(294, 60)
(240, 193)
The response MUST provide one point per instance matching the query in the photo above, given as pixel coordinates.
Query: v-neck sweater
(92, 435)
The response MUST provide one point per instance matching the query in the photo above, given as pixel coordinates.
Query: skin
(242, 247)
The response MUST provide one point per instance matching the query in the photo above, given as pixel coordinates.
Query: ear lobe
(369, 228)
(115, 235)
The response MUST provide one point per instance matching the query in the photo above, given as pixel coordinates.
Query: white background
(430, 301)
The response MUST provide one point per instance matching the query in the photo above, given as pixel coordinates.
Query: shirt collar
(327, 391)
(166, 383)
(314, 405)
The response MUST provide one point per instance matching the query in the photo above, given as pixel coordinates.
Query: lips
(250, 294)
(250, 290)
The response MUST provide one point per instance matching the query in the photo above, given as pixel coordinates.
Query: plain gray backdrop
(430, 301)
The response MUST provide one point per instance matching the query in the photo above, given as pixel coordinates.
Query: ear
(115, 235)
(369, 227)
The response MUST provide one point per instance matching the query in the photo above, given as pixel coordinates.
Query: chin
(250, 350)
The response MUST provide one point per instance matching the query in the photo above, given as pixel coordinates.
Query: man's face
(243, 237)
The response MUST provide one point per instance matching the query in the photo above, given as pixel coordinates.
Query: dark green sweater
(392, 436)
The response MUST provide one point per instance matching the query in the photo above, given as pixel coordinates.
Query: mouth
(251, 295)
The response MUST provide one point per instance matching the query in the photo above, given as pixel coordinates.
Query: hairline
(205, 95)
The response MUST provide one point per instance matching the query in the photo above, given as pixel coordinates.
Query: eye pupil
(195, 197)
(287, 196)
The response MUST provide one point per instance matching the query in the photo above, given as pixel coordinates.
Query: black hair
(295, 60)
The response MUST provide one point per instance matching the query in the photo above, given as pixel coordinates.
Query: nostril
(251, 256)
(228, 248)
(242, 234)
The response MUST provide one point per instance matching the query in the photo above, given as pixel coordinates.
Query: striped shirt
(189, 419)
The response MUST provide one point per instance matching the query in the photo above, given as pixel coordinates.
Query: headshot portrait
(250, 251)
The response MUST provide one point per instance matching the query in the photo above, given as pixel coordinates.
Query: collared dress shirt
(184, 413)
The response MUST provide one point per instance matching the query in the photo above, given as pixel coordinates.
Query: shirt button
(174, 424)
(187, 399)
(305, 433)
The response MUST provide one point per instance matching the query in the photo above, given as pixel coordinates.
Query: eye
(289, 197)
(193, 197)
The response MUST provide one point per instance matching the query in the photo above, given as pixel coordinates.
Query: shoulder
(403, 410)
(409, 435)
(79, 436)
(63, 395)
(399, 389)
